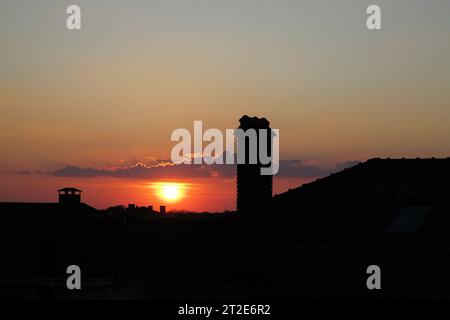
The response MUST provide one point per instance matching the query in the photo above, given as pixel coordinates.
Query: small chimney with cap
(69, 196)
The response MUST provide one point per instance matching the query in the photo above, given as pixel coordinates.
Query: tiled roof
(337, 226)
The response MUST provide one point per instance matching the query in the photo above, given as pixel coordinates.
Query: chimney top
(247, 122)
(68, 190)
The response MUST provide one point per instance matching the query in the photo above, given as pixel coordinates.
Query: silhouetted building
(393, 213)
(162, 209)
(38, 241)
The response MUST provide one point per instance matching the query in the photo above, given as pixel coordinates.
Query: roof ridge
(366, 165)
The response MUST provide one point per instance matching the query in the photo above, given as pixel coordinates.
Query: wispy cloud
(167, 170)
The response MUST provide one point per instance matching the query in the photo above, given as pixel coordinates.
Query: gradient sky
(110, 95)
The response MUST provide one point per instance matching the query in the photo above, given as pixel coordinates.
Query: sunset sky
(95, 108)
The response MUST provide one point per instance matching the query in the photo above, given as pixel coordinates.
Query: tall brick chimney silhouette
(254, 191)
(254, 198)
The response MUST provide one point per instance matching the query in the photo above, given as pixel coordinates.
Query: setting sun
(169, 191)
